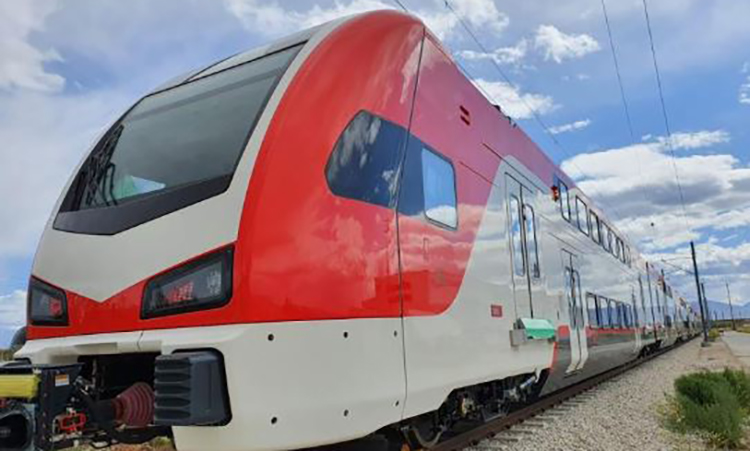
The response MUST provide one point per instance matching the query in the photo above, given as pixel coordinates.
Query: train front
(138, 323)
(142, 239)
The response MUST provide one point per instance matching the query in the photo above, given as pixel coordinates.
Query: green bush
(715, 404)
(713, 334)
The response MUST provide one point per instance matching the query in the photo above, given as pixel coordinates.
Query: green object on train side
(537, 329)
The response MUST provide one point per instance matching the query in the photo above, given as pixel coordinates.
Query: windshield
(188, 134)
(172, 149)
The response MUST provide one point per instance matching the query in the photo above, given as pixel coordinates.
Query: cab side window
(365, 160)
(439, 184)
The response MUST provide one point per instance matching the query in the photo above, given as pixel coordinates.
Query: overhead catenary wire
(623, 97)
(535, 114)
(617, 71)
(660, 89)
(460, 66)
(401, 5)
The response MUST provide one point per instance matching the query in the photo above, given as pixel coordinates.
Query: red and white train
(331, 237)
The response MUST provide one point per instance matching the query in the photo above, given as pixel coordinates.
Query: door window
(531, 240)
(516, 238)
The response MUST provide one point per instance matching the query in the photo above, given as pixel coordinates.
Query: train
(333, 238)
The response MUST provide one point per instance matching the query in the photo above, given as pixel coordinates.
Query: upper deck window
(582, 213)
(173, 148)
(564, 200)
(596, 228)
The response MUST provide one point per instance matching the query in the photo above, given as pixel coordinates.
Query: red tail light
(198, 285)
(47, 305)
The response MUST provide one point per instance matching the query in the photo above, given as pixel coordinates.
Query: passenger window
(564, 201)
(582, 213)
(610, 314)
(364, 163)
(592, 310)
(439, 183)
(596, 228)
(531, 241)
(516, 238)
(608, 241)
(625, 315)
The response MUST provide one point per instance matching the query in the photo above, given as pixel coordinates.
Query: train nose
(16, 430)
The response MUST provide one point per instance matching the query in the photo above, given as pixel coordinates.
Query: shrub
(713, 334)
(715, 404)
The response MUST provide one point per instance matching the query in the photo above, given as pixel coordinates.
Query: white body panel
(320, 386)
(466, 345)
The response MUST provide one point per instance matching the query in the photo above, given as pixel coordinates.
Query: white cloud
(696, 140)
(558, 46)
(480, 14)
(715, 188)
(43, 138)
(274, 19)
(513, 101)
(503, 55)
(744, 97)
(22, 64)
(573, 126)
(717, 194)
(13, 310)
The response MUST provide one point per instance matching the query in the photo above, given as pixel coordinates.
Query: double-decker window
(582, 215)
(564, 200)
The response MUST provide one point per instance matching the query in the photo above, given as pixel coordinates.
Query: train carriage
(332, 236)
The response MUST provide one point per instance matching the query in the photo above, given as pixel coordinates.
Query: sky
(67, 69)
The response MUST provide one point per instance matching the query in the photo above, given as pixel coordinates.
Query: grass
(713, 405)
(157, 444)
(714, 334)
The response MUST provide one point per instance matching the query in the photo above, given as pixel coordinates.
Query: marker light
(198, 285)
(47, 305)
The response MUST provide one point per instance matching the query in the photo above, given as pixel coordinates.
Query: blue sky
(68, 68)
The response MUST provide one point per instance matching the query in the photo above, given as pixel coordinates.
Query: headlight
(198, 285)
(47, 305)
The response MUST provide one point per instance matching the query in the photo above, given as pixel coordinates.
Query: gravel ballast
(620, 414)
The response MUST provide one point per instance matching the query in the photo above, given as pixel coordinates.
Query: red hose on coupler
(135, 406)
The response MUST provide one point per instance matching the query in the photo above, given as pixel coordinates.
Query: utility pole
(700, 295)
(731, 310)
(705, 302)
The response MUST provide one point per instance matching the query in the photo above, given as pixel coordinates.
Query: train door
(573, 296)
(523, 236)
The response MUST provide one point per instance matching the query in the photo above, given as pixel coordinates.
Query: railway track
(499, 434)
